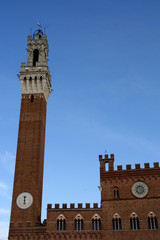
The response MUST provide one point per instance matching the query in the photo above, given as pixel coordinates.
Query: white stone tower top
(35, 78)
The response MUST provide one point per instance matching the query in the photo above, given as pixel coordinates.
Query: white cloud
(7, 161)
(4, 211)
(4, 190)
(4, 226)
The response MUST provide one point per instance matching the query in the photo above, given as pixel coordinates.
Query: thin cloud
(4, 211)
(4, 190)
(4, 226)
(7, 161)
(3, 186)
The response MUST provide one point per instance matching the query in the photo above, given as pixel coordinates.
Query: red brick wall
(30, 158)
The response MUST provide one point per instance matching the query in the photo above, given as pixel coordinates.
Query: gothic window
(152, 221)
(35, 57)
(61, 223)
(30, 78)
(116, 192)
(96, 222)
(35, 78)
(134, 221)
(78, 223)
(41, 78)
(117, 223)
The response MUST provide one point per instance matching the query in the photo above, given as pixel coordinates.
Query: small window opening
(41, 78)
(32, 98)
(35, 78)
(107, 167)
(116, 193)
(30, 79)
(35, 57)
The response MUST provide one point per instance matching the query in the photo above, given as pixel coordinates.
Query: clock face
(139, 189)
(24, 200)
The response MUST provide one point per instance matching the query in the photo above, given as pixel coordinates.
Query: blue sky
(104, 59)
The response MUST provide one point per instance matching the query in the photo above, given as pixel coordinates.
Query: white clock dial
(24, 200)
(139, 189)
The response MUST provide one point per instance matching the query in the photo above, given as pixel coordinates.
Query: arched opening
(96, 222)
(134, 222)
(61, 223)
(35, 56)
(116, 221)
(78, 223)
(152, 221)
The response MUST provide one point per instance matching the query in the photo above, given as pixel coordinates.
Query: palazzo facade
(130, 198)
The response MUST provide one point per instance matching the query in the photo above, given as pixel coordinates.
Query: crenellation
(156, 164)
(80, 205)
(64, 205)
(128, 167)
(95, 205)
(56, 205)
(119, 168)
(137, 166)
(72, 205)
(49, 206)
(87, 205)
(146, 165)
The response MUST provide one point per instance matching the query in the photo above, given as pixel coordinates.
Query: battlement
(107, 159)
(110, 160)
(138, 166)
(72, 206)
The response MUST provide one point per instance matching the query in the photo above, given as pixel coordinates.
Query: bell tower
(35, 83)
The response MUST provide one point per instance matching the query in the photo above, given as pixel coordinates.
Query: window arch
(35, 56)
(152, 221)
(116, 192)
(61, 223)
(134, 221)
(78, 223)
(96, 222)
(117, 223)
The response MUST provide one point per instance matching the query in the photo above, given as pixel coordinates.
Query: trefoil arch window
(61, 223)
(78, 223)
(96, 222)
(134, 221)
(152, 221)
(117, 223)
